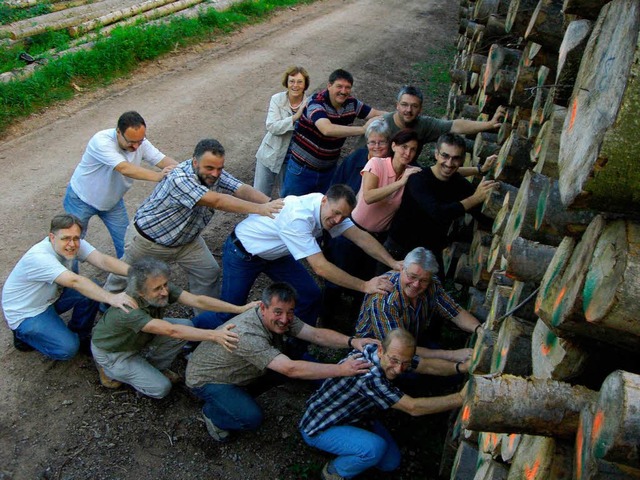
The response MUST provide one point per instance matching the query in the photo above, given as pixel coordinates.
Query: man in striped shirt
(340, 416)
(416, 299)
(320, 133)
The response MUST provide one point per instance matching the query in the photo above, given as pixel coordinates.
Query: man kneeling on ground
(137, 347)
(334, 420)
(228, 380)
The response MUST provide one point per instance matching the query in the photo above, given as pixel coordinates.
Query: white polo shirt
(30, 288)
(294, 230)
(95, 179)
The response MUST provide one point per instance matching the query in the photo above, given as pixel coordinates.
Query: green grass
(10, 15)
(117, 55)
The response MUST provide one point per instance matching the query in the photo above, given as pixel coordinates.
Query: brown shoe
(105, 380)
(172, 376)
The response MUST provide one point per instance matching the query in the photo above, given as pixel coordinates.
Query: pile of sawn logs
(554, 391)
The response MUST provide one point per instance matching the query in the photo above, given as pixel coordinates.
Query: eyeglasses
(412, 277)
(132, 142)
(377, 144)
(396, 362)
(446, 157)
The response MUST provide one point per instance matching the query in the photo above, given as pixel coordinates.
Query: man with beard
(169, 222)
(416, 300)
(137, 347)
(42, 286)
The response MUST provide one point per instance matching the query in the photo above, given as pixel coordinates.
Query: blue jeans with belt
(300, 179)
(240, 272)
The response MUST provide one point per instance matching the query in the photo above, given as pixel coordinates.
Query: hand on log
(488, 164)
(484, 189)
(497, 116)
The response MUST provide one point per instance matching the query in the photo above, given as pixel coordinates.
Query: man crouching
(137, 347)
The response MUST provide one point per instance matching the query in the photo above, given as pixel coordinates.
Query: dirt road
(56, 421)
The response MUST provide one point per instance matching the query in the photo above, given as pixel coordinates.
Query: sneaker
(172, 376)
(218, 434)
(330, 476)
(105, 380)
(20, 345)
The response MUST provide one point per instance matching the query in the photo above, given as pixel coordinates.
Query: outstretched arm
(229, 203)
(223, 336)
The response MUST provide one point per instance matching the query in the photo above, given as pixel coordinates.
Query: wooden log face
(554, 357)
(541, 458)
(611, 292)
(599, 145)
(550, 283)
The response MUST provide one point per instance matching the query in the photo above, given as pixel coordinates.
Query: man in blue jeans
(109, 165)
(42, 286)
(336, 419)
(228, 380)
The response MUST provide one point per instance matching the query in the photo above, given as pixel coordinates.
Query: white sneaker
(217, 433)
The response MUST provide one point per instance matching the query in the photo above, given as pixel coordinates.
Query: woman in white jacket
(285, 109)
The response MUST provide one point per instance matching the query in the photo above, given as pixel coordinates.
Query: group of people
(385, 243)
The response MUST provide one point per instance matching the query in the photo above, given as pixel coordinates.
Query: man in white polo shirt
(109, 165)
(41, 287)
(274, 246)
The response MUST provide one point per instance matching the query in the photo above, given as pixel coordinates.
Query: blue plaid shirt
(348, 400)
(382, 312)
(170, 215)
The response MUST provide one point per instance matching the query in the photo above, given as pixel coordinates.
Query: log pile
(554, 372)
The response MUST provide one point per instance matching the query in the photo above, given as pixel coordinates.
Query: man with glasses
(109, 165)
(416, 300)
(339, 415)
(434, 198)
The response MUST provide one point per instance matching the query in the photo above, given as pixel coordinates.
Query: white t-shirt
(95, 179)
(30, 288)
(294, 230)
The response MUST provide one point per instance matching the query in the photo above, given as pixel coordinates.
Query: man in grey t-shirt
(228, 381)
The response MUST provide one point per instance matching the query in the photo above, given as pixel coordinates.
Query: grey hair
(143, 269)
(411, 90)
(379, 126)
(281, 290)
(423, 258)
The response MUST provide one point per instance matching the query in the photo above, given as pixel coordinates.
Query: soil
(56, 420)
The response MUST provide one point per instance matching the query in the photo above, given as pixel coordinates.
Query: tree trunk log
(584, 8)
(494, 201)
(496, 254)
(464, 272)
(521, 301)
(518, 16)
(527, 261)
(612, 286)
(533, 55)
(571, 51)
(489, 443)
(546, 25)
(547, 144)
(522, 92)
(512, 352)
(452, 253)
(485, 145)
(499, 303)
(550, 284)
(464, 465)
(616, 428)
(491, 470)
(513, 160)
(500, 58)
(483, 352)
(479, 266)
(554, 357)
(498, 278)
(599, 147)
(542, 458)
(516, 405)
(476, 306)
(508, 446)
(501, 219)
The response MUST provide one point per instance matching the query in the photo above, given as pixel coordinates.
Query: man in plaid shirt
(168, 224)
(416, 299)
(339, 420)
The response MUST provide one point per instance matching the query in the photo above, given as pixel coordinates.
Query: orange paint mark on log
(466, 413)
(531, 472)
(598, 422)
(545, 349)
(512, 440)
(579, 447)
(559, 298)
(574, 113)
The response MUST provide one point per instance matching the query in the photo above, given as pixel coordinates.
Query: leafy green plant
(10, 14)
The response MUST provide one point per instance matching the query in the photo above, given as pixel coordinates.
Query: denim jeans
(241, 271)
(229, 407)
(357, 449)
(116, 219)
(300, 179)
(48, 333)
(265, 180)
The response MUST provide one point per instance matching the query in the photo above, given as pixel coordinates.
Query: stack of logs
(554, 391)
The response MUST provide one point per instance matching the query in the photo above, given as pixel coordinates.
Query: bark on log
(503, 82)
(485, 145)
(599, 147)
(476, 306)
(496, 254)
(537, 112)
(585, 8)
(452, 253)
(479, 266)
(513, 159)
(484, 8)
(546, 25)
(554, 357)
(464, 465)
(533, 55)
(501, 219)
(503, 132)
(495, 200)
(512, 352)
(519, 15)
(527, 260)
(521, 301)
(499, 303)
(508, 446)
(517, 405)
(569, 57)
(498, 278)
(522, 92)
(464, 272)
(542, 458)
(500, 58)
(550, 284)
(612, 286)
(495, 30)
(489, 443)
(491, 470)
